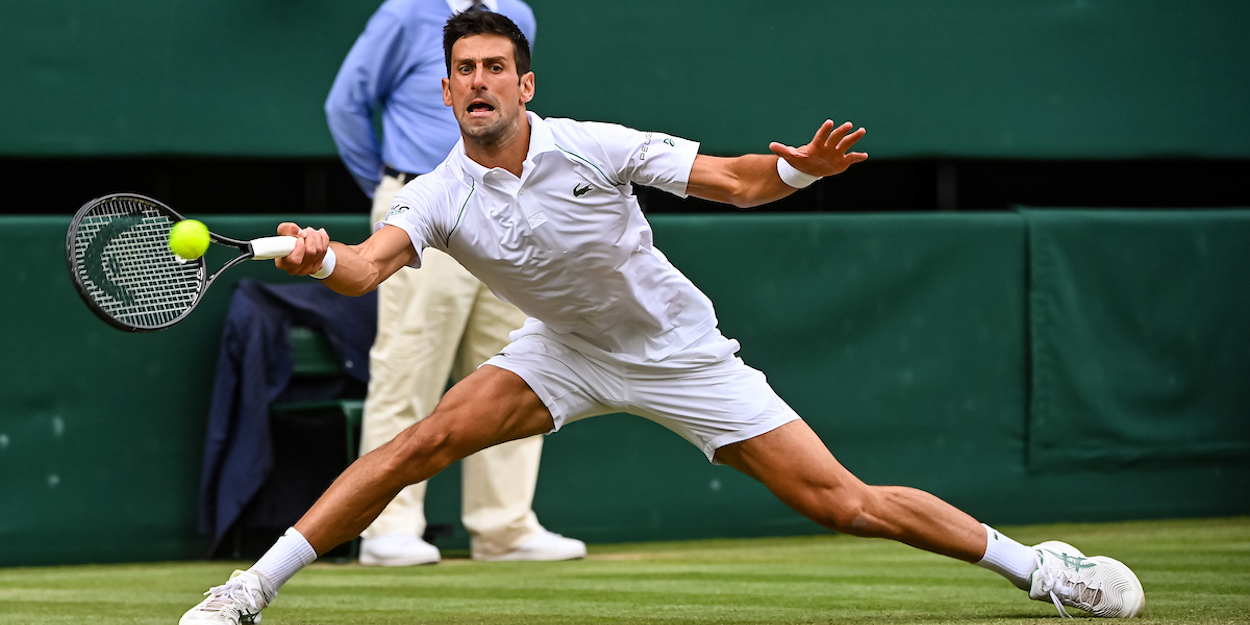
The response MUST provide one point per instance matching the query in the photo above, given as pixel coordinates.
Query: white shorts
(703, 393)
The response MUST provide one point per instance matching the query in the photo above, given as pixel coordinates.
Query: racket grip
(268, 248)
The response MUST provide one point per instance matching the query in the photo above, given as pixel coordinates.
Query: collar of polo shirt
(541, 141)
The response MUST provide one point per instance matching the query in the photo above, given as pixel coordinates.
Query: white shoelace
(225, 595)
(1053, 581)
(1062, 612)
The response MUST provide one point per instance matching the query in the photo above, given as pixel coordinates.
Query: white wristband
(792, 176)
(327, 265)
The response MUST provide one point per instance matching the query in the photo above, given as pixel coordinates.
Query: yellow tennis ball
(188, 239)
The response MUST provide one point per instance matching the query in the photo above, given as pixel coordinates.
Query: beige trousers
(436, 322)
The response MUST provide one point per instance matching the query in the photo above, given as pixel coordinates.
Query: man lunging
(540, 211)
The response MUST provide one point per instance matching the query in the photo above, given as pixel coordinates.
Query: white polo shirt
(567, 243)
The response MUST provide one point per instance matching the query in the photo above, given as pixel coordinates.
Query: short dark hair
(469, 23)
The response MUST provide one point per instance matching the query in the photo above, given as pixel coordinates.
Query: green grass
(1194, 571)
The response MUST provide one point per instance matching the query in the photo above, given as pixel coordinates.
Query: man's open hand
(827, 154)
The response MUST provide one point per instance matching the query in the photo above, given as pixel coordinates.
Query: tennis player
(540, 210)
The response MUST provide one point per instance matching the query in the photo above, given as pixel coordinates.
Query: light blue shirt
(397, 63)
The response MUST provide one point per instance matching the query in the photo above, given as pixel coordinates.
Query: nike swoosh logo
(580, 191)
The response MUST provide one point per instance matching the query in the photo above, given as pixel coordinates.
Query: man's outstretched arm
(753, 179)
(358, 269)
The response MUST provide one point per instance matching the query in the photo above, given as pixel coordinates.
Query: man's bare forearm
(744, 181)
(353, 275)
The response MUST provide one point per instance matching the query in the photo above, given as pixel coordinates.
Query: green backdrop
(1140, 339)
(1066, 79)
(1021, 365)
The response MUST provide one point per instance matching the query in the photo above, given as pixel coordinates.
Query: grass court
(1194, 572)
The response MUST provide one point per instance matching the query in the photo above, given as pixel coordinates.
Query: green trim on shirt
(581, 158)
(460, 217)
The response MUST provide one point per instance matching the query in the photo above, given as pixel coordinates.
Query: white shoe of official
(397, 550)
(1101, 586)
(238, 601)
(546, 546)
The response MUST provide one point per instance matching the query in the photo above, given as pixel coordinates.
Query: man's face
(483, 88)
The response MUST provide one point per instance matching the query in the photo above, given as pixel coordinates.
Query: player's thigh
(569, 383)
(488, 407)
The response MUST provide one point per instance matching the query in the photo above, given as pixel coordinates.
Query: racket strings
(123, 259)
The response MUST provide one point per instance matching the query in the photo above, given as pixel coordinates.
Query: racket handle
(268, 248)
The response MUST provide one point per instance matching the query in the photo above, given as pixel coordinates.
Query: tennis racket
(118, 254)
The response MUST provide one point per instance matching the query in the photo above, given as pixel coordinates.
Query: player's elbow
(732, 191)
(368, 281)
(723, 180)
(748, 196)
(354, 278)
(351, 288)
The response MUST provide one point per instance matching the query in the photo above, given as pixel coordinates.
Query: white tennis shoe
(397, 550)
(546, 546)
(1098, 585)
(236, 602)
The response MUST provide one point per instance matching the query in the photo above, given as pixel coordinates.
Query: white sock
(283, 560)
(1008, 558)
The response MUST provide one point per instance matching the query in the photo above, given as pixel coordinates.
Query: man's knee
(420, 451)
(489, 407)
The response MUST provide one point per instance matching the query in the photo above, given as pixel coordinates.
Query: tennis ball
(188, 239)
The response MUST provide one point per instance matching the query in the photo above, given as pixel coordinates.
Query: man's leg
(488, 407)
(797, 467)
